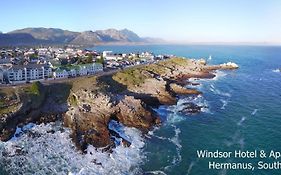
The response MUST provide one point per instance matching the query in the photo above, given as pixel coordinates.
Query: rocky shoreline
(88, 105)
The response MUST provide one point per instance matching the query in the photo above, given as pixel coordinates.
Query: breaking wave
(276, 70)
(219, 92)
(48, 149)
(219, 74)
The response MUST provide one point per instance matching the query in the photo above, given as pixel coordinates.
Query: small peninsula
(88, 104)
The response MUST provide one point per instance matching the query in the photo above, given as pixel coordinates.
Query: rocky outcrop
(90, 113)
(155, 88)
(88, 117)
(224, 66)
(178, 89)
(229, 65)
(134, 113)
(191, 108)
(88, 105)
(31, 104)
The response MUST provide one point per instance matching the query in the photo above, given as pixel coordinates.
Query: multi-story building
(60, 73)
(30, 72)
(92, 67)
(73, 71)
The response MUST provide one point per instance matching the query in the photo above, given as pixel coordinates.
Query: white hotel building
(30, 72)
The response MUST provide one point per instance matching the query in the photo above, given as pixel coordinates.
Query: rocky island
(88, 104)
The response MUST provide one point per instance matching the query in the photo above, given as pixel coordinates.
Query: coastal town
(25, 65)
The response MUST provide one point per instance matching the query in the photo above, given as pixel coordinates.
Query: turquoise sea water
(243, 113)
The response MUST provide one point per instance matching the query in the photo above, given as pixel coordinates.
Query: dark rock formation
(191, 108)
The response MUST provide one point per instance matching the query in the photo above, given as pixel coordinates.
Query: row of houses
(77, 70)
(36, 72)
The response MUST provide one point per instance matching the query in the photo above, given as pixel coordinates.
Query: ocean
(242, 113)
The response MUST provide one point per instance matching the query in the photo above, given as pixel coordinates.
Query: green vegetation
(177, 61)
(108, 84)
(72, 100)
(10, 108)
(89, 59)
(33, 56)
(137, 76)
(100, 60)
(35, 94)
(2, 103)
(157, 69)
(133, 76)
(35, 88)
(8, 100)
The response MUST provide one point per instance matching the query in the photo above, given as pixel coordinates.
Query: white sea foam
(241, 121)
(236, 139)
(191, 166)
(254, 112)
(276, 70)
(157, 172)
(48, 149)
(224, 103)
(22, 130)
(176, 141)
(219, 92)
(219, 74)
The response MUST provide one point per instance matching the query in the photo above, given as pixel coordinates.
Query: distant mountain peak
(43, 35)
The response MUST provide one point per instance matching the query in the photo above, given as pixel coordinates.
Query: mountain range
(34, 36)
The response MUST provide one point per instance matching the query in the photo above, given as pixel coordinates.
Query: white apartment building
(81, 70)
(59, 73)
(25, 73)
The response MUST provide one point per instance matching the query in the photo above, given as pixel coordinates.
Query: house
(82, 71)
(72, 73)
(107, 55)
(60, 73)
(75, 70)
(30, 72)
(93, 68)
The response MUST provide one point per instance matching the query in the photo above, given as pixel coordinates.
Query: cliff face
(92, 107)
(34, 103)
(87, 105)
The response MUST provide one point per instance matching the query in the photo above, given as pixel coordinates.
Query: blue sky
(174, 20)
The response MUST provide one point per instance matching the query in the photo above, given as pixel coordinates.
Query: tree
(89, 59)
(100, 60)
(33, 56)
